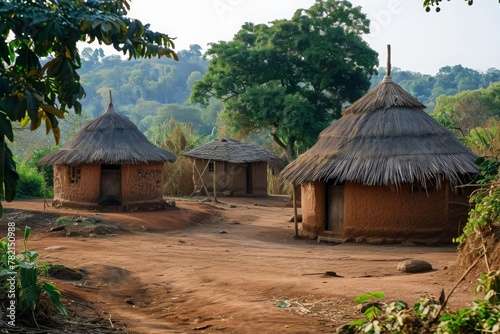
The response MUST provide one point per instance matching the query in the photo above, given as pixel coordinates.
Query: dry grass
(277, 185)
(179, 177)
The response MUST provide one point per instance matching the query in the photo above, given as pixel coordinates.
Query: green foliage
(486, 199)
(468, 110)
(27, 272)
(293, 76)
(31, 182)
(46, 31)
(482, 317)
(486, 210)
(137, 81)
(449, 81)
(362, 299)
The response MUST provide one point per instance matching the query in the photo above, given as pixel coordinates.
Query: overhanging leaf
(32, 105)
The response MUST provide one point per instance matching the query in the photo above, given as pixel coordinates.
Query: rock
(52, 248)
(414, 266)
(171, 204)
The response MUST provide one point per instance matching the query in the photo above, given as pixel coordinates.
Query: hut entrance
(249, 179)
(110, 193)
(335, 207)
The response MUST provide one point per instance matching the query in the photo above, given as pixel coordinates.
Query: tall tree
(292, 76)
(48, 31)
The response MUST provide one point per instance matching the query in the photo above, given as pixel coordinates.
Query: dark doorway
(335, 207)
(249, 179)
(110, 193)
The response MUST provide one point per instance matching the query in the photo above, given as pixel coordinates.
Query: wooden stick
(295, 218)
(388, 60)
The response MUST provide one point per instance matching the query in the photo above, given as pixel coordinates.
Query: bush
(20, 279)
(424, 317)
(30, 184)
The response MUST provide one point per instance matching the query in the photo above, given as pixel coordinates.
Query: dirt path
(226, 268)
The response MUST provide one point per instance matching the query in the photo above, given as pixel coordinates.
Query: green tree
(47, 31)
(291, 77)
(469, 109)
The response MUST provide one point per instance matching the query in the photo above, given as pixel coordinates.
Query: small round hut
(109, 165)
(235, 168)
(385, 172)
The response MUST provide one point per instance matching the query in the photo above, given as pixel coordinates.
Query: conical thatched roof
(108, 139)
(231, 150)
(384, 138)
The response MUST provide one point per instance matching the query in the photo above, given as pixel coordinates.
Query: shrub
(482, 317)
(20, 277)
(30, 183)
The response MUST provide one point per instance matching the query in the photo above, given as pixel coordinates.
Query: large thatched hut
(386, 171)
(236, 168)
(109, 165)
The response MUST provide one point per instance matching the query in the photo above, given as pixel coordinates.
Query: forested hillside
(449, 81)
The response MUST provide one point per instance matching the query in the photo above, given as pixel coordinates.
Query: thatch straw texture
(384, 138)
(108, 139)
(385, 95)
(231, 150)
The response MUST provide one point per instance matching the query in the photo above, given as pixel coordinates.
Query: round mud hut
(109, 165)
(235, 168)
(385, 172)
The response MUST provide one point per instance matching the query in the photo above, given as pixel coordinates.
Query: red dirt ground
(205, 268)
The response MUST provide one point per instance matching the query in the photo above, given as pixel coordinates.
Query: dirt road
(226, 268)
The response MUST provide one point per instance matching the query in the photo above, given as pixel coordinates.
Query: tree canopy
(469, 109)
(39, 60)
(292, 76)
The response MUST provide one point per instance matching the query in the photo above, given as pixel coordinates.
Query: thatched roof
(231, 150)
(384, 138)
(108, 139)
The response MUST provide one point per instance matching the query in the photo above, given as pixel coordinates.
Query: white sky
(420, 41)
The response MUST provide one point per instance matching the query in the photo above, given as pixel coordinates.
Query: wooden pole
(215, 181)
(388, 60)
(44, 188)
(295, 218)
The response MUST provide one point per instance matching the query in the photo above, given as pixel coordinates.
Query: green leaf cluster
(468, 110)
(27, 272)
(482, 317)
(293, 76)
(485, 212)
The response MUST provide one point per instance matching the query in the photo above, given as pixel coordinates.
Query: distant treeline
(449, 81)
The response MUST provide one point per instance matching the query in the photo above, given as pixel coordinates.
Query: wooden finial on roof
(388, 60)
(110, 97)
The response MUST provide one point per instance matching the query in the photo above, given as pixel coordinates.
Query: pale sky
(421, 42)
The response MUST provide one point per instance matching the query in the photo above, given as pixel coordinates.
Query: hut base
(156, 205)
